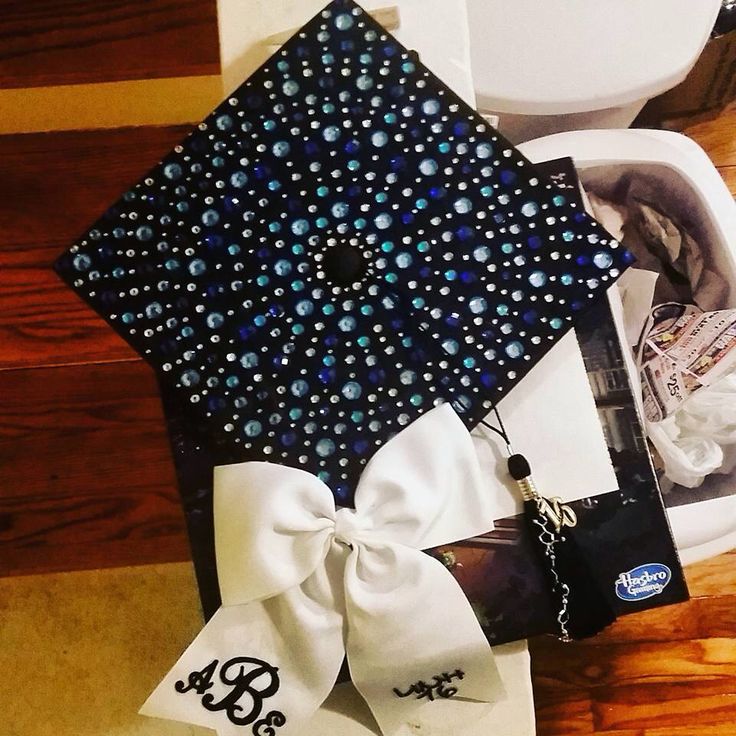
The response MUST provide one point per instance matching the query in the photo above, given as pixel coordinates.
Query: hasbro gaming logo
(643, 582)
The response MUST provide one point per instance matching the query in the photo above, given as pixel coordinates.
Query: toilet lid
(567, 56)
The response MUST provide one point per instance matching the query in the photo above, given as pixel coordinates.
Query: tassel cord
(548, 539)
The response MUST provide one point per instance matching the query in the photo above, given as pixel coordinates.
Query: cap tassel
(583, 609)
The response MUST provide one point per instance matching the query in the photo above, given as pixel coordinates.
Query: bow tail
(260, 668)
(416, 651)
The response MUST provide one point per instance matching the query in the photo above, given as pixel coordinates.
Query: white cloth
(303, 583)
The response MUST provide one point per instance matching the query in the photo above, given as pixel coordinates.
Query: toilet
(558, 65)
(689, 184)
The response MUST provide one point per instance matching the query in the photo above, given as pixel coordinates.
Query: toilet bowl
(558, 65)
(690, 185)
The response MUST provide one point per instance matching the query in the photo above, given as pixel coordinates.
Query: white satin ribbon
(303, 583)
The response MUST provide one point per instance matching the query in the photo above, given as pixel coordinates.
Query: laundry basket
(691, 187)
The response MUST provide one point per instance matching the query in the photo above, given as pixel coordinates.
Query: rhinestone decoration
(340, 246)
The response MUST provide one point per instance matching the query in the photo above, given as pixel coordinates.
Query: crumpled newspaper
(687, 365)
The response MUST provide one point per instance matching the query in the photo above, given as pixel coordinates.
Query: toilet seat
(570, 56)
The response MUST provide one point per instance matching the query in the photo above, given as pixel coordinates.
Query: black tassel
(583, 609)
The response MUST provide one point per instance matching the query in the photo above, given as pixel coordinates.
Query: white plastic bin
(690, 185)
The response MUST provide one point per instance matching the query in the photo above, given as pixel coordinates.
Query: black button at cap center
(344, 264)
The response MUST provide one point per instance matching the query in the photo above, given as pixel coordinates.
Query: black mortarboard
(342, 244)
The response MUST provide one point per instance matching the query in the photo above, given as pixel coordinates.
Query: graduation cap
(340, 246)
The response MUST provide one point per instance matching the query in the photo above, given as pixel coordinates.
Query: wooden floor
(86, 479)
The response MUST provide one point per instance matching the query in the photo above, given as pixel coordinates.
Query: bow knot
(347, 526)
(296, 601)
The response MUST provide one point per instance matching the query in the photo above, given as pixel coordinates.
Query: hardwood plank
(713, 577)
(563, 717)
(729, 176)
(43, 322)
(727, 728)
(51, 42)
(643, 706)
(698, 618)
(717, 137)
(80, 532)
(96, 429)
(52, 186)
(709, 663)
(104, 492)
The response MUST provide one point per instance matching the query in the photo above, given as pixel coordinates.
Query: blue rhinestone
(529, 209)
(299, 387)
(478, 305)
(428, 166)
(215, 320)
(430, 107)
(189, 378)
(327, 375)
(463, 205)
(403, 260)
(290, 88)
(407, 377)
(344, 21)
(252, 428)
(352, 390)
(144, 232)
(82, 262)
(602, 259)
(324, 447)
(197, 267)
(282, 267)
(340, 209)
(304, 307)
(154, 310)
(514, 349)
(299, 227)
(249, 360)
(484, 150)
(489, 380)
(538, 278)
(383, 221)
(482, 253)
(450, 346)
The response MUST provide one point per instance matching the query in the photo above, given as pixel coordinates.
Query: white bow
(302, 584)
